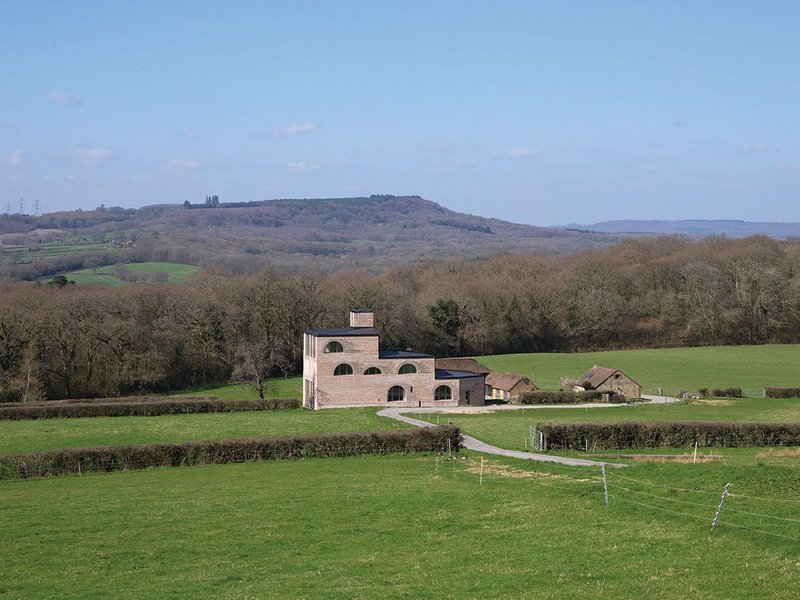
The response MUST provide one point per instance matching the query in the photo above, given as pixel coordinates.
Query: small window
(407, 368)
(343, 369)
(443, 392)
(372, 371)
(396, 393)
(333, 347)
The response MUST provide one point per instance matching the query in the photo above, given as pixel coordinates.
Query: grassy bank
(17, 437)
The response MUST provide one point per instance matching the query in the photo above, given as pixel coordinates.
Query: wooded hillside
(76, 341)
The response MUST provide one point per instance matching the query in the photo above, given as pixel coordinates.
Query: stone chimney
(362, 317)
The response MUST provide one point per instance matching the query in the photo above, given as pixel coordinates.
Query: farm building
(462, 364)
(507, 386)
(346, 367)
(605, 379)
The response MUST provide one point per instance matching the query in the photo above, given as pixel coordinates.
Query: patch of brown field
(781, 453)
(711, 402)
(679, 458)
(503, 470)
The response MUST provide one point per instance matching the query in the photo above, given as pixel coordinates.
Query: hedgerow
(730, 392)
(137, 407)
(120, 458)
(782, 392)
(632, 434)
(547, 397)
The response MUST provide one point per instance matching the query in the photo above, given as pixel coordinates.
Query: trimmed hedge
(137, 408)
(545, 397)
(121, 458)
(782, 392)
(731, 392)
(628, 435)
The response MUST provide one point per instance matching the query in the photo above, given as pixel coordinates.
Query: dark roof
(599, 375)
(402, 354)
(506, 381)
(343, 331)
(462, 364)
(448, 374)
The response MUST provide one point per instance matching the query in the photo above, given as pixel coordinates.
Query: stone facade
(346, 367)
(605, 379)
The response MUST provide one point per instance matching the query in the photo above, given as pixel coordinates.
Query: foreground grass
(688, 369)
(17, 437)
(509, 429)
(399, 527)
(283, 387)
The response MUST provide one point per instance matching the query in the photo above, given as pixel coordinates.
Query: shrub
(546, 397)
(137, 407)
(731, 392)
(120, 458)
(782, 392)
(703, 392)
(632, 434)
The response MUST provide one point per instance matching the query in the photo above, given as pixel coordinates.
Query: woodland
(77, 341)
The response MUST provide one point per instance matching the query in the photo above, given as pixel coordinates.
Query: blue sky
(536, 112)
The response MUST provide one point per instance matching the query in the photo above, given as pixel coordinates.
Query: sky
(539, 112)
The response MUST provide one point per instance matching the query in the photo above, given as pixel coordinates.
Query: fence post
(694, 460)
(605, 483)
(719, 508)
(449, 452)
(481, 471)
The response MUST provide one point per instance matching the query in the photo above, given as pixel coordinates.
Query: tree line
(86, 341)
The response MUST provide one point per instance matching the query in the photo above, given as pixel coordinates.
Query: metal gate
(537, 441)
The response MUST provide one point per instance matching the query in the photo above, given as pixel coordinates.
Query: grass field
(397, 527)
(288, 387)
(749, 367)
(24, 254)
(508, 429)
(17, 437)
(177, 273)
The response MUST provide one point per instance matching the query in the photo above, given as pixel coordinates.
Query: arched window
(343, 369)
(407, 368)
(333, 346)
(396, 393)
(443, 392)
(372, 371)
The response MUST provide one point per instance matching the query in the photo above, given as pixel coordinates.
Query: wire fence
(770, 516)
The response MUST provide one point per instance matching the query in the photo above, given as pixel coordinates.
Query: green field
(397, 527)
(280, 387)
(509, 429)
(177, 273)
(17, 437)
(26, 253)
(749, 367)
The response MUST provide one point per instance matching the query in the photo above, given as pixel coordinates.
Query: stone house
(605, 379)
(507, 386)
(345, 367)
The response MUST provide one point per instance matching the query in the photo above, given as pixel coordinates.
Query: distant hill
(695, 228)
(366, 233)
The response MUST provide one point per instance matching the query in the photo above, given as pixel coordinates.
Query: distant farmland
(175, 272)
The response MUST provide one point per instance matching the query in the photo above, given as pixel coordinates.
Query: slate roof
(462, 364)
(505, 381)
(599, 375)
(343, 331)
(402, 354)
(448, 374)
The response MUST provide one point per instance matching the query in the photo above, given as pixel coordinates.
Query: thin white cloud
(757, 148)
(178, 165)
(62, 97)
(16, 159)
(520, 152)
(306, 127)
(315, 165)
(185, 136)
(86, 155)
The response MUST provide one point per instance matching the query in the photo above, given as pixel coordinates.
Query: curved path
(473, 444)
